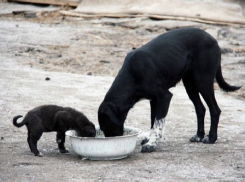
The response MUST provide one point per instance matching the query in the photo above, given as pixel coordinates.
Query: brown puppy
(47, 118)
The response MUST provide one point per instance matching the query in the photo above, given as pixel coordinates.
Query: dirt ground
(81, 57)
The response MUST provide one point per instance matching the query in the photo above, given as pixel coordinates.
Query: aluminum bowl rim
(137, 132)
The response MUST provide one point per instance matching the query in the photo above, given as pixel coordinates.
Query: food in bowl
(104, 148)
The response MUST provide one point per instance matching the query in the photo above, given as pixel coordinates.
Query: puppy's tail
(222, 84)
(18, 124)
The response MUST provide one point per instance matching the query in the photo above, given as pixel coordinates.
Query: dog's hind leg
(162, 105)
(33, 143)
(193, 94)
(207, 62)
(35, 131)
(28, 139)
(208, 95)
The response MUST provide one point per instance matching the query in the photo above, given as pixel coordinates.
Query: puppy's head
(88, 130)
(110, 119)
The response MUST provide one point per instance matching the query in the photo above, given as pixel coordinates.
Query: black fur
(48, 118)
(148, 72)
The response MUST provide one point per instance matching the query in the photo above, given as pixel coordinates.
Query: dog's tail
(222, 84)
(18, 124)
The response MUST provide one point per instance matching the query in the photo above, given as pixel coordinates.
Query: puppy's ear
(114, 113)
(90, 132)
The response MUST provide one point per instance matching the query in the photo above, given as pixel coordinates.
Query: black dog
(148, 72)
(49, 118)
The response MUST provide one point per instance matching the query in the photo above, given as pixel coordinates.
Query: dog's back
(171, 54)
(183, 38)
(47, 114)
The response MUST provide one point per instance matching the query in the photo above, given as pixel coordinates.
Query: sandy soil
(81, 57)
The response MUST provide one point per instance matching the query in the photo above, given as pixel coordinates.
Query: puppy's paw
(58, 141)
(196, 138)
(39, 154)
(64, 151)
(208, 140)
(147, 148)
(144, 141)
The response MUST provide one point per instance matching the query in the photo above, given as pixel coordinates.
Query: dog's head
(88, 130)
(110, 119)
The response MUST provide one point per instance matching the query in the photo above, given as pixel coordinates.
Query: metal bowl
(104, 148)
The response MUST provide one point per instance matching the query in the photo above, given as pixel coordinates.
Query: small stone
(41, 61)
(47, 79)
(104, 61)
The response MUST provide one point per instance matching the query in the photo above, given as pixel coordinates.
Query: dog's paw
(196, 138)
(58, 141)
(208, 140)
(39, 154)
(144, 141)
(147, 148)
(64, 151)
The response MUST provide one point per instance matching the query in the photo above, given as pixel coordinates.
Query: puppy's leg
(35, 131)
(160, 107)
(155, 135)
(33, 143)
(61, 129)
(193, 94)
(60, 138)
(28, 139)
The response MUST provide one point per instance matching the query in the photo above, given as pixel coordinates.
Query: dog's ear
(90, 131)
(113, 112)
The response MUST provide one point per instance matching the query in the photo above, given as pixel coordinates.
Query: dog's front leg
(60, 138)
(159, 110)
(155, 135)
